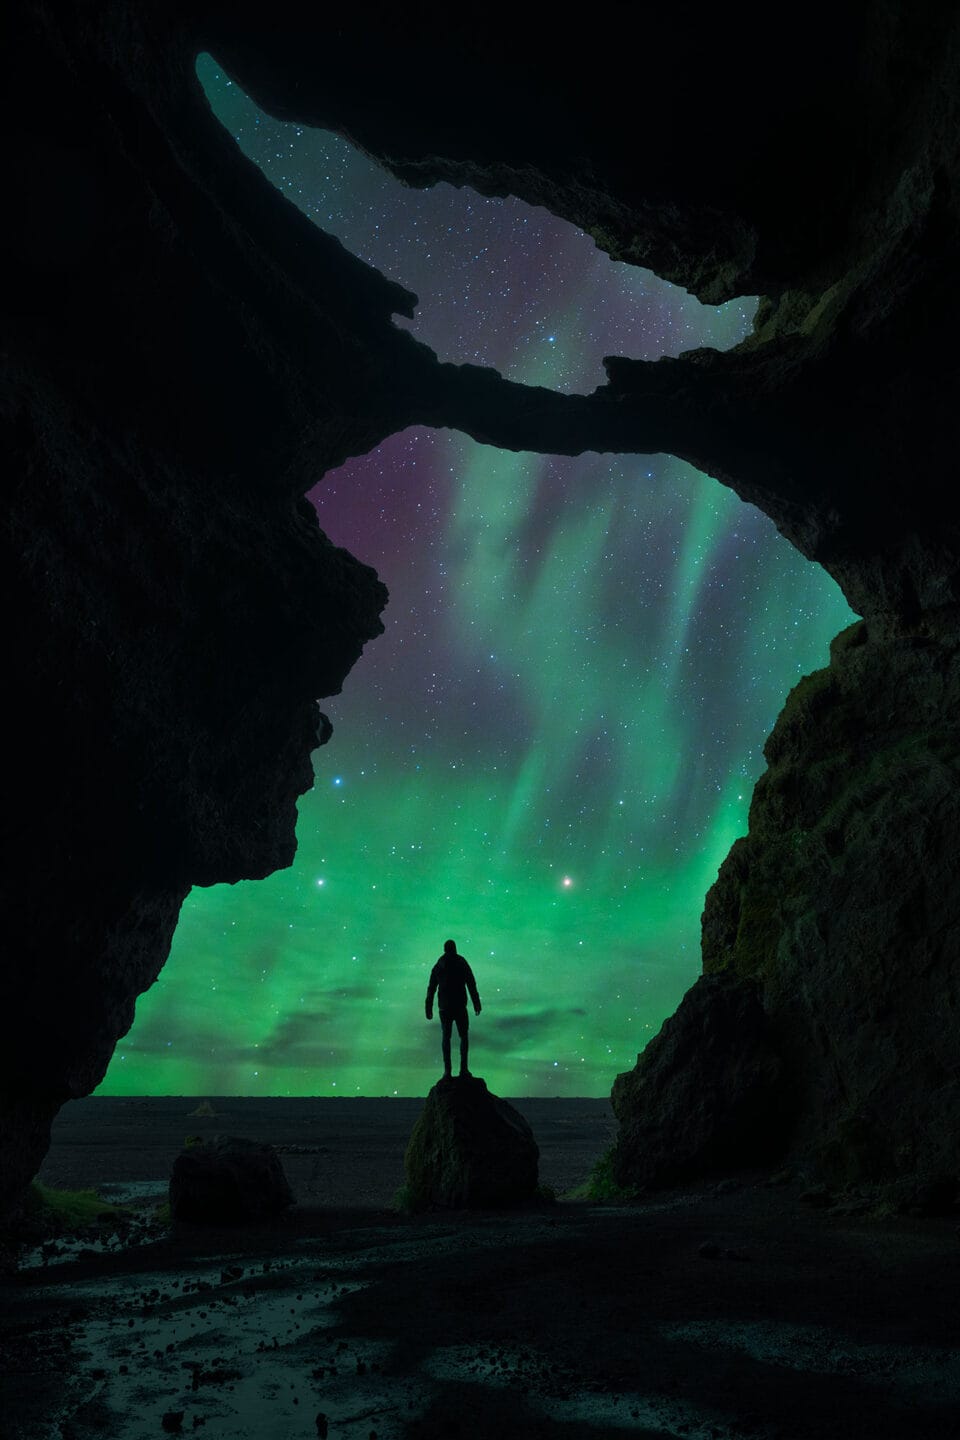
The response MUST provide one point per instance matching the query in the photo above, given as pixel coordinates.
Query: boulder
(226, 1179)
(469, 1149)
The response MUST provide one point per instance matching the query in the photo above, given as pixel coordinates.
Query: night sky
(551, 749)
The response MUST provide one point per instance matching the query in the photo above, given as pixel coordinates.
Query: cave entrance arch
(551, 749)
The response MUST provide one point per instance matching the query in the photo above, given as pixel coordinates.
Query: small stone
(172, 1422)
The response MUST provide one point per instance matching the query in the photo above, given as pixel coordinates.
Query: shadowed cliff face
(178, 610)
(186, 355)
(843, 903)
(839, 912)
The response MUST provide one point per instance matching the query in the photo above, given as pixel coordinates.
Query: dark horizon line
(209, 1097)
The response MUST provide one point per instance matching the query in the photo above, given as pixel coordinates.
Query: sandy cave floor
(727, 1311)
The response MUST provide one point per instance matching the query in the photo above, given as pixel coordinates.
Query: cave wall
(825, 1031)
(185, 354)
(178, 612)
(843, 903)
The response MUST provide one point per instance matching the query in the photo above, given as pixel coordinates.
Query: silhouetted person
(450, 979)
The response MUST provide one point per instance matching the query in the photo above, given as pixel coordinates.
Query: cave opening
(499, 282)
(552, 747)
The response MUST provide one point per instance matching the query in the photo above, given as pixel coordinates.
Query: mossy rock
(469, 1150)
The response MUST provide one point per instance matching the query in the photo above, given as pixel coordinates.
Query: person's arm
(472, 987)
(431, 990)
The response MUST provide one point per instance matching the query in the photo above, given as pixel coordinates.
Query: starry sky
(551, 749)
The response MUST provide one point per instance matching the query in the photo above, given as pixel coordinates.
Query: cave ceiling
(819, 175)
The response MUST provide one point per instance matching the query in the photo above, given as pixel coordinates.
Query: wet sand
(729, 1312)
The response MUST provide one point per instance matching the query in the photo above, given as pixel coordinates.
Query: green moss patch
(603, 1187)
(66, 1211)
(758, 934)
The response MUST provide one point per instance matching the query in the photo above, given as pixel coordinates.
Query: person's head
(449, 947)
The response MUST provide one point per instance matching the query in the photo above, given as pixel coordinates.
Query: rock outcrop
(226, 1180)
(178, 611)
(185, 354)
(469, 1150)
(840, 910)
(706, 1095)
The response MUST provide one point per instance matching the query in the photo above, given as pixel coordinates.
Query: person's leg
(446, 1026)
(463, 1030)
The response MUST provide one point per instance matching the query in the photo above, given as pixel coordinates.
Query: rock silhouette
(705, 1094)
(227, 1179)
(469, 1150)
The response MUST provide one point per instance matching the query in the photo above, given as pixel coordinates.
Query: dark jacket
(450, 979)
